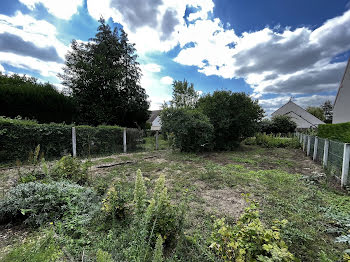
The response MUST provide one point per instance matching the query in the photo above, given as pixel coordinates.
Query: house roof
(153, 115)
(341, 82)
(297, 111)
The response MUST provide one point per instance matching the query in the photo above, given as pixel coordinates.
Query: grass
(214, 182)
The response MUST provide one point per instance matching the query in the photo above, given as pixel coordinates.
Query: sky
(272, 50)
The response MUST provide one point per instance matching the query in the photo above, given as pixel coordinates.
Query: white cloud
(63, 9)
(153, 25)
(46, 69)
(154, 68)
(37, 47)
(294, 61)
(2, 69)
(167, 80)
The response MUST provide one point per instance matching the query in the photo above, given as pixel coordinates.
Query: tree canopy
(317, 112)
(26, 97)
(184, 95)
(103, 76)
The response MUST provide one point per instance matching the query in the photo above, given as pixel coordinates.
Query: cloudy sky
(271, 49)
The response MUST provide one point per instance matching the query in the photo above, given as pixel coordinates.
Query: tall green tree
(317, 112)
(104, 78)
(184, 95)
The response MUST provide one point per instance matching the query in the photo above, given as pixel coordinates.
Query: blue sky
(271, 49)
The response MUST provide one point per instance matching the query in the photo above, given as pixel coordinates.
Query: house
(299, 115)
(341, 108)
(155, 120)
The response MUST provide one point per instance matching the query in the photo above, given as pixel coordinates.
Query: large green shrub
(19, 137)
(234, 117)
(24, 96)
(38, 203)
(340, 132)
(191, 129)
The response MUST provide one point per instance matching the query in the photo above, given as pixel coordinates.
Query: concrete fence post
(345, 168)
(315, 148)
(157, 140)
(74, 142)
(325, 152)
(300, 138)
(308, 145)
(304, 142)
(124, 140)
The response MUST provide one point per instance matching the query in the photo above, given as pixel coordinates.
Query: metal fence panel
(320, 150)
(335, 158)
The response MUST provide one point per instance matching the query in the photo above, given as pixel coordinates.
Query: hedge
(20, 137)
(340, 132)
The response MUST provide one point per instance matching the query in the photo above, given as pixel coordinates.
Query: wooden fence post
(325, 152)
(124, 140)
(74, 142)
(308, 145)
(345, 168)
(315, 148)
(157, 140)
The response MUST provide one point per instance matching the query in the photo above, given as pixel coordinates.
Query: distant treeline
(26, 97)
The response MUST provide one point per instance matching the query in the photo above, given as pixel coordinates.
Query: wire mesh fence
(335, 158)
(333, 155)
(320, 150)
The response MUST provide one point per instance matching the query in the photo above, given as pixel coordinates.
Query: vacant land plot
(286, 185)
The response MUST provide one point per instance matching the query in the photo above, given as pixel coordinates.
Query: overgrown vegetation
(273, 141)
(148, 217)
(249, 240)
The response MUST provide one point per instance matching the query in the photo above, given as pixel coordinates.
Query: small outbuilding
(299, 115)
(341, 108)
(154, 119)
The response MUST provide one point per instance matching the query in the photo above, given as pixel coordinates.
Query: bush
(339, 132)
(192, 131)
(19, 137)
(70, 168)
(278, 125)
(38, 203)
(114, 204)
(234, 117)
(249, 239)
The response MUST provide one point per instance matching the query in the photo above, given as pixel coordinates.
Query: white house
(155, 120)
(341, 109)
(299, 115)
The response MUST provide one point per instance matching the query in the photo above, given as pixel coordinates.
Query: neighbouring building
(341, 108)
(155, 120)
(299, 115)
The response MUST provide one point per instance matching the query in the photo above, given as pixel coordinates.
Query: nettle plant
(249, 239)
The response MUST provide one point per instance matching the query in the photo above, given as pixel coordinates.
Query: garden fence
(333, 155)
